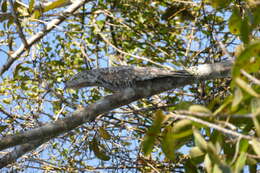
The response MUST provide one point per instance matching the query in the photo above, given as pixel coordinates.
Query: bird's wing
(146, 73)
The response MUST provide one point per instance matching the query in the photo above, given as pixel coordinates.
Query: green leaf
(256, 146)
(253, 168)
(4, 6)
(152, 133)
(36, 14)
(199, 109)
(17, 69)
(220, 3)
(147, 144)
(183, 105)
(7, 100)
(196, 155)
(255, 109)
(213, 154)
(221, 169)
(31, 5)
(224, 105)
(245, 31)
(3, 127)
(255, 106)
(256, 16)
(100, 23)
(104, 134)
(200, 141)
(98, 150)
(249, 60)
(196, 152)
(243, 145)
(55, 4)
(219, 164)
(240, 162)
(168, 143)
(246, 87)
(235, 22)
(208, 163)
(159, 119)
(182, 128)
(175, 136)
(190, 167)
(238, 96)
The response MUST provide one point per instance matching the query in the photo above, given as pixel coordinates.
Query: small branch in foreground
(211, 125)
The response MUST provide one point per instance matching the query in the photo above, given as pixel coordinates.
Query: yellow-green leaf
(153, 132)
(255, 106)
(200, 141)
(55, 4)
(196, 152)
(246, 87)
(240, 162)
(220, 3)
(36, 14)
(199, 109)
(190, 167)
(245, 31)
(159, 119)
(98, 151)
(104, 134)
(224, 105)
(256, 146)
(208, 163)
(31, 5)
(235, 22)
(3, 127)
(249, 59)
(4, 6)
(182, 128)
(168, 143)
(257, 126)
(238, 96)
(212, 151)
(7, 100)
(175, 136)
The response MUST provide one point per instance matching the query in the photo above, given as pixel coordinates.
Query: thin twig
(129, 54)
(121, 51)
(211, 125)
(19, 28)
(51, 25)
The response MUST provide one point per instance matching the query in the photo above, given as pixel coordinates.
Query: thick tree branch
(51, 25)
(19, 151)
(143, 89)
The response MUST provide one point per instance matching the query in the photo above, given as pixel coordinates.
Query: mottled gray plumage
(120, 77)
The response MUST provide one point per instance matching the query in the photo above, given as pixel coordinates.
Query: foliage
(211, 126)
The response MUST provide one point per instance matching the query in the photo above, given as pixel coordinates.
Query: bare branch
(71, 9)
(19, 151)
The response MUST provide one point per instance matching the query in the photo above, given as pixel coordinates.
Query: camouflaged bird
(120, 77)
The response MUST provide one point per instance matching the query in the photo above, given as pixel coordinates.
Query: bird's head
(82, 79)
